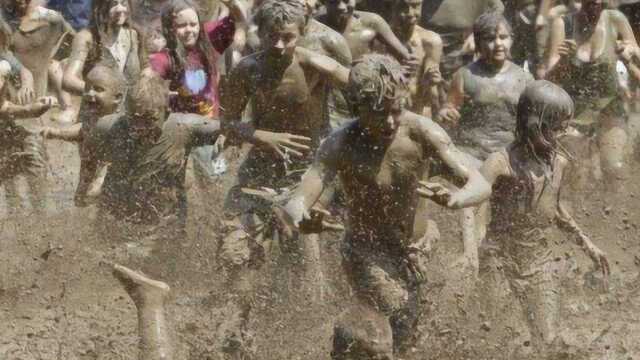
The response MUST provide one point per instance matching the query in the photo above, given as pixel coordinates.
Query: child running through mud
(529, 216)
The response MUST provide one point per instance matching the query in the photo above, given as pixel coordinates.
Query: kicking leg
(148, 295)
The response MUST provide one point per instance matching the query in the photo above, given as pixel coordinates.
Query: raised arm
(337, 74)
(558, 49)
(72, 80)
(477, 188)
(431, 86)
(385, 35)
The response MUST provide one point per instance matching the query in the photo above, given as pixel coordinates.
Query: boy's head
(104, 89)
(280, 24)
(147, 107)
(378, 88)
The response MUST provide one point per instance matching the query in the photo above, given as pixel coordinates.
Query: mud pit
(58, 301)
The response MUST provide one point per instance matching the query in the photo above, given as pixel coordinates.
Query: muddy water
(58, 302)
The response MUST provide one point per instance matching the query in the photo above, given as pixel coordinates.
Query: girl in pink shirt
(193, 49)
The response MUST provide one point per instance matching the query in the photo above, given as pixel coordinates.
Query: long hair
(542, 109)
(177, 53)
(100, 26)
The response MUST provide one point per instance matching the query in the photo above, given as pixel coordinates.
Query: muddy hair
(149, 94)
(273, 14)
(177, 52)
(542, 108)
(377, 78)
(487, 24)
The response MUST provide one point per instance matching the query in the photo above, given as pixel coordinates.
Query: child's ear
(119, 98)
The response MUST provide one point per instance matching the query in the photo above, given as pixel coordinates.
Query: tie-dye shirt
(197, 86)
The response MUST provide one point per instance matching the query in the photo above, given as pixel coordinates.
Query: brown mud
(58, 300)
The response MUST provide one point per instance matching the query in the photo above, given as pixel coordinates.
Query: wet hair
(376, 78)
(541, 108)
(487, 24)
(177, 53)
(148, 95)
(274, 14)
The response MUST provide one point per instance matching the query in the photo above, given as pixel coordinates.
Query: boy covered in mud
(104, 92)
(361, 29)
(286, 85)
(20, 150)
(379, 159)
(530, 219)
(426, 46)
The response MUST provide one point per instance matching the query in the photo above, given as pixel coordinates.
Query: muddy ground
(57, 301)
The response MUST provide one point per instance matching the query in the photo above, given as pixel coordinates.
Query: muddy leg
(612, 141)
(148, 296)
(15, 201)
(38, 186)
(234, 254)
(69, 113)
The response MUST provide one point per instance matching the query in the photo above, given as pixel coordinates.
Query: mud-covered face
(340, 9)
(102, 92)
(118, 12)
(380, 121)
(280, 41)
(408, 12)
(187, 27)
(495, 45)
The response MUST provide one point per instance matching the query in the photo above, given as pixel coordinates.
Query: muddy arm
(314, 181)
(338, 74)
(71, 134)
(15, 111)
(477, 188)
(386, 36)
(72, 80)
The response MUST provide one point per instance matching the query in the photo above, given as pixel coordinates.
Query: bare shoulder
(423, 128)
(369, 18)
(615, 15)
(329, 37)
(428, 37)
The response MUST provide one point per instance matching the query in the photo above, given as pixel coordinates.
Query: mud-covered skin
(585, 60)
(360, 30)
(379, 176)
(426, 46)
(288, 92)
(149, 297)
(488, 114)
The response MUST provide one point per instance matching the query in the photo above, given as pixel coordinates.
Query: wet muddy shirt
(488, 115)
(145, 181)
(197, 85)
(524, 210)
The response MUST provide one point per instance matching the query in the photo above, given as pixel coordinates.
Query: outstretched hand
(599, 258)
(284, 143)
(434, 191)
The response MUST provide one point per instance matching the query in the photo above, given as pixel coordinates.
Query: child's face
(102, 92)
(187, 27)
(118, 12)
(157, 42)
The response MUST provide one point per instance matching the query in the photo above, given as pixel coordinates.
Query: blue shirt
(76, 12)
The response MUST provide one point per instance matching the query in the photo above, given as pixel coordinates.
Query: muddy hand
(285, 143)
(26, 95)
(449, 114)
(435, 192)
(415, 266)
(567, 49)
(432, 75)
(599, 258)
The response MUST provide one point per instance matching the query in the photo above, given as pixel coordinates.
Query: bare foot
(141, 289)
